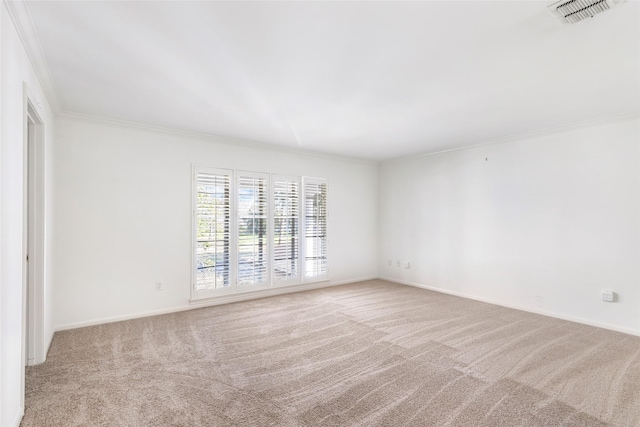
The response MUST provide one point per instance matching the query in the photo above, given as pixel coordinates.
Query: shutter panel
(213, 223)
(253, 248)
(255, 230)
(315, 227)
(286, 230)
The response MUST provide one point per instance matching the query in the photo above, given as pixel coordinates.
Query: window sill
(258, 293)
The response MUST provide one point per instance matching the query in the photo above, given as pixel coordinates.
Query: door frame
(34, 347)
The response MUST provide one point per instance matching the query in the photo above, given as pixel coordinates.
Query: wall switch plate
(608, 295)
(159, 286)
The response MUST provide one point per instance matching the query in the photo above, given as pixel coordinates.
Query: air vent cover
(572, 11)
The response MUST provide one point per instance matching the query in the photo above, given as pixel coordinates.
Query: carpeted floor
(366, 354)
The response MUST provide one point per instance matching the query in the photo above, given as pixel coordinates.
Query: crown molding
(212, 138)
(21, 17)
(598, 121)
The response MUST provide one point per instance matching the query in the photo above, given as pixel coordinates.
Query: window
(253, 255)
(286, 230)
(315, 227)
(255, 230)
(213, 226)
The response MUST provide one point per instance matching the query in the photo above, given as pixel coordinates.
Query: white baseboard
(616, 328)
(208, 302)
(361, 279)
(46, 350)
(41, 358)
(18, 418)
(227, 299)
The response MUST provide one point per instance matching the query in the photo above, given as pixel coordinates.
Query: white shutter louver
(286, 229)
(315, 228)
(255, 230)
(213, 222)
(253, 206)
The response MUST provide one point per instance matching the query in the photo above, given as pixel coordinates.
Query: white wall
(123, 214)
(15, 70)
(540, 223)
(2, 410)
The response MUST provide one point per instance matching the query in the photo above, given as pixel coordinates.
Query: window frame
(320, 277)
(208, 293)
(236, 209)
(234, 233)
(298, 279)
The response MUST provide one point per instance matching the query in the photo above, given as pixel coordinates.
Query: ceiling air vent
(572, 11)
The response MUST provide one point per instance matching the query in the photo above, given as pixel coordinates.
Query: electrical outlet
(406, 265)
(159, 286)
(397, 263)
(390, 262)
(608, 295)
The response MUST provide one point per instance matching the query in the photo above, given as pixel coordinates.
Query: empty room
(320, 213)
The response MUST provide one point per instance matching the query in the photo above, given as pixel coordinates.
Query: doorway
(33, 239)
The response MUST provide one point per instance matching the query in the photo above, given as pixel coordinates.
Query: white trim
(261, 293)
(36, 244)
(18, 418)
(351, 281)
(320, 285)
(208, 293)
(212, 138)
(600, 121)
(303, 229)
(23, 23)
(201, 303)
(234, 236)
(49, 341)
(236, 212)
(588, 322)
(2, 144)
(32, 322)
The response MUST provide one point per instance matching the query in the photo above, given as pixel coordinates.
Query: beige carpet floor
(366, 354)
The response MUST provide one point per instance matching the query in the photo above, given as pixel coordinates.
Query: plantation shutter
(253, 210)
(315, 228)
(286, 230)
(256, 230)
(213, 227)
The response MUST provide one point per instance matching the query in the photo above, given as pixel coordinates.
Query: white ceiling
(374, 80)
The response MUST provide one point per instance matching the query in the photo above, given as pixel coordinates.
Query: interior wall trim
(569, 127)
(209, 137)
(21, 18)
(588, 322)
(243, 296)
(18, 418)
